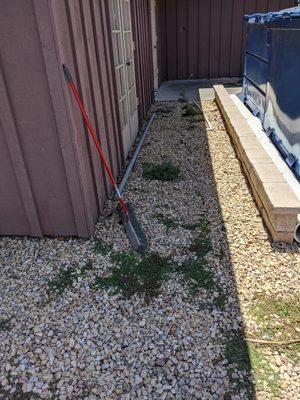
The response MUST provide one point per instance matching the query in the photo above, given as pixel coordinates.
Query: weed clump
(163, 111)
(132, 275)
(276, 318)
(197, 274)
(201, 224)
(4, 325)
(166, 172)
(189, 110)
(66, 278)
(168, 222)
(101, 247)
(237, 353)
(201, 246)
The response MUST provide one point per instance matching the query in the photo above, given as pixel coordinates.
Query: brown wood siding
(51, 180)
(205, 38)
(141, 23)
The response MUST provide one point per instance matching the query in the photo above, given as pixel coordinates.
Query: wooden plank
(182, 39)
(14, 147)
(64, 50)
(53, 69)
(193, 39)
(215, 38)
(80, 54)
(161, 40)
(262, 6)
(171, 42)
(204, 38)
(236, 38)
(274, 5)
(225, 38)
(101, 126)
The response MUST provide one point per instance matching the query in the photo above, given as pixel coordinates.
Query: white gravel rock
(94, 344)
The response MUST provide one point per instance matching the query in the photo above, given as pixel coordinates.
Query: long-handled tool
(133, 229)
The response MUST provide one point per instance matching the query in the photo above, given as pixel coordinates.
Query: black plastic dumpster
(271, 87)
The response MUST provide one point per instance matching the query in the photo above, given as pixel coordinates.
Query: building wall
(205, 38)
(51, 181)
(141, 20)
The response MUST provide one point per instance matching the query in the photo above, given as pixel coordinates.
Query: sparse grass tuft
(182, 98)
(276, 318)
(202, 224)
(189, 110)
(265, 376)
(237, 353)
(163, 111)
(101, 247)
(166, 172)
(132, 275)
(201, 246)
(197, 274)
(66, 278)
(220, 301)
(250, 359)
(171, 223)
(168, 222)
(63, 280)
(4, 325)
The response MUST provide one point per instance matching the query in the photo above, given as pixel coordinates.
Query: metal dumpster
(271, 86)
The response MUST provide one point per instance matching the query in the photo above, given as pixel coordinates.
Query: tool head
(134, 231)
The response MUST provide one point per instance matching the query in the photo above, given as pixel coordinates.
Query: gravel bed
(68, 339)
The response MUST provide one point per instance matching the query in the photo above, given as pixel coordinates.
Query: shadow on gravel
(238, 355)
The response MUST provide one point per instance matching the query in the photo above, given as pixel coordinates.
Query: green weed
(168, 222)
(202, 224)
(189, 110)
(250, 359)
(237, 352)
(171, 223)
(4, 325)
(182, 98)
(101, 247)
(66, 278)
(163, 111)
(132, 274)
(201, 246)
(197, 274)
(166, 172)
(276, 316)
(265, 376)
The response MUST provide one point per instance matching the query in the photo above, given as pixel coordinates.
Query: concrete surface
(190, 89)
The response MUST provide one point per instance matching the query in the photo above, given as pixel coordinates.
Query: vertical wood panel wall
(141, 22)
(51, 181)
(205, 38)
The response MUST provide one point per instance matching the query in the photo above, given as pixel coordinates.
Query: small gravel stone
(89, 343)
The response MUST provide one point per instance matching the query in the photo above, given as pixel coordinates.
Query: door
(123, 48)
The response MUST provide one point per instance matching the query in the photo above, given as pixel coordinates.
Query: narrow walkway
(189, 89)
(91, 320)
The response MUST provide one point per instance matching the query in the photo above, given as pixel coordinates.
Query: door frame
(153, 12)
(124, 70)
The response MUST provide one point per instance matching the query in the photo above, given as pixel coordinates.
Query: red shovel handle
(94, 136)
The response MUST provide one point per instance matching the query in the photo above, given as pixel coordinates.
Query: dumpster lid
(288, 13)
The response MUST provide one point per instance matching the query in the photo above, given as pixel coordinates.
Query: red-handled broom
(133, 229)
